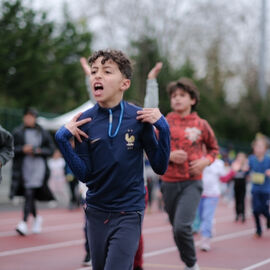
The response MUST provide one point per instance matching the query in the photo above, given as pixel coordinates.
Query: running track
(60, 245)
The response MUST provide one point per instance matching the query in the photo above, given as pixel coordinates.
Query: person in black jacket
(6, 148)
(30, 173)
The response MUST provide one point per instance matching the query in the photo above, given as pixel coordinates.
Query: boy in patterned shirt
(181, 184)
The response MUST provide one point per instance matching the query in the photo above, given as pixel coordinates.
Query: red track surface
(60, 245)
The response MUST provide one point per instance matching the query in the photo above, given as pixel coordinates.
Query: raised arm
(151, 99)
(87, 73)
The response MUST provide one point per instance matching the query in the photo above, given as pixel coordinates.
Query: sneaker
(36, 228)
(194, 267)
(87, 260)
(22, 228)
(205, 244)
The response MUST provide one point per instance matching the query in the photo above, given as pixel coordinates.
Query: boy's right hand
(178, 156)
(73, 126)
(155, 71)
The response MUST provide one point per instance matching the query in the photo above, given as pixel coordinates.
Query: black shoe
(268, 223)
(87, 260)
(258, 234)
(243, 218)
(138, 268)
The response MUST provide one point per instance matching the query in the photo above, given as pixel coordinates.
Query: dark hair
(123, 62)
(188, 86)
(30, 110)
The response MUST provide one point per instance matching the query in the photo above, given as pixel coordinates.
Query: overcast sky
(54, 10)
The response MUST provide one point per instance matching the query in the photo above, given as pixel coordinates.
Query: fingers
(150, 115)
(155, 70)
(78, 134)
(73, 127)
(158, 66)
(82, 133)
(76, 117)
(80, 122)
(74, 124)
(85, 66)
(83, 121)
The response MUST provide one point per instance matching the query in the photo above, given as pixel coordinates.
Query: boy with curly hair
(109, 142)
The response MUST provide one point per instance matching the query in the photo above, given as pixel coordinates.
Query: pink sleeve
(226, 178)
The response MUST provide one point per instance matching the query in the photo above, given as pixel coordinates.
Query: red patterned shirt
(189, 133)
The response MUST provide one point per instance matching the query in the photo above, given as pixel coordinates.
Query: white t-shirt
(211, 178)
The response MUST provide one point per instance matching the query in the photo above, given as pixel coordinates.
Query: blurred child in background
(57, 180)
(259, 164)
(240, 167)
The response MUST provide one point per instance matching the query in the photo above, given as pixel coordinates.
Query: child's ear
(193, 101)
(125, 84)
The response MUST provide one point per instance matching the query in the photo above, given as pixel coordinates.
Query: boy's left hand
(196, 166)
(150, 115)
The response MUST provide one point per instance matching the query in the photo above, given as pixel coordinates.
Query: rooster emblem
(130, 140)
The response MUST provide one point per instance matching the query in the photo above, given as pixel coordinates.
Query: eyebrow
(103, 67)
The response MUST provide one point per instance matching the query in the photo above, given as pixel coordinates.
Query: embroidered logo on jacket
(192, 134)
(130, 139)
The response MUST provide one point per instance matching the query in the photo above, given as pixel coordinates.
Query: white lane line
(159, 252)
(215, 239)
(48, 229)
(47, 217)
(254, 266)
(146, 255)
(41, 248)
(80, 225)
(231, 235)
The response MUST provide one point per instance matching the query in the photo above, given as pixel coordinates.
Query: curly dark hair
(188, 86)
(123, 62)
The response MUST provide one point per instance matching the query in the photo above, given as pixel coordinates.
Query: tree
(40, 62)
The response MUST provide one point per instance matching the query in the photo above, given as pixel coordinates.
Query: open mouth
(98, 86)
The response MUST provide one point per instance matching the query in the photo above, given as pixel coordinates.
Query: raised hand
(85, 66)
(150, 115)
(73, 126)
(155, 71)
